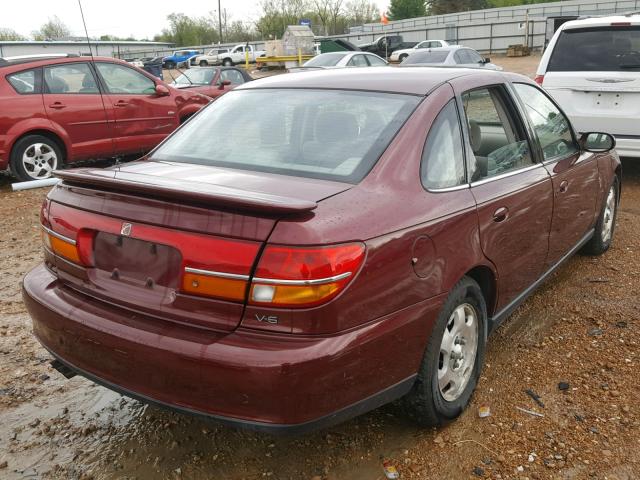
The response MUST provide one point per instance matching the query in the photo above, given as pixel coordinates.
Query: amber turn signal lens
(64, 249)
(209, 286)
(292, 295)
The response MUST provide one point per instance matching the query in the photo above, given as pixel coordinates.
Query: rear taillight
(78, 250)
(300, 277)
(539, 79)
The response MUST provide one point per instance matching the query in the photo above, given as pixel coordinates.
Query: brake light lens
(299, 277)
(539, 79)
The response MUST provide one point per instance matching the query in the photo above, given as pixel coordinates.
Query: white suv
(592, 68)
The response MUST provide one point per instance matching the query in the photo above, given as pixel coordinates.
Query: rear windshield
(327, 134)
(196, 77)
(426, 57)
(601, 49)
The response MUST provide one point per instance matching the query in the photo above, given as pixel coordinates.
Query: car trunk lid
(174, 241)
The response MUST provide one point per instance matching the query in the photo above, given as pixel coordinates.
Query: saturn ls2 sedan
(310, 247)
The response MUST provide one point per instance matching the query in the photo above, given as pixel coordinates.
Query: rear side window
(597, 49)
(496, 135)
(375, 61)
(23, 82)
(443, 156)
(70, 78)
(329, 134)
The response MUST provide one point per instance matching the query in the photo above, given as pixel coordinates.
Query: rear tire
(606, 224)
(35, 157)
(402, 57)
(227, 62)
(452, 360)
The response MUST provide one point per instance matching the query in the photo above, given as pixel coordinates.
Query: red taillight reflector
(539, 79)
(304, 276)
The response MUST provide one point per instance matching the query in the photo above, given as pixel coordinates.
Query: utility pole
(220, 21)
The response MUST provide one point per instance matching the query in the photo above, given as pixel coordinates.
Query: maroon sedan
(211, 81)
(60, 109)
(310, 247)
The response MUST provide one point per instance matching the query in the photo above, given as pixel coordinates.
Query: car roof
(413, 81)
(22, 63)
(620, 20)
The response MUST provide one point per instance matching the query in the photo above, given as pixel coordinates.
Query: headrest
(475, 136)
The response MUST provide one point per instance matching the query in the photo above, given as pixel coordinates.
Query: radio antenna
(86, 32)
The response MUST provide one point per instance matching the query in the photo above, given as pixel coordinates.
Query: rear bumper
(628, 146)
(276, 383)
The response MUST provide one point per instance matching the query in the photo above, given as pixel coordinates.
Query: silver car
(345, 59)
(449, 57)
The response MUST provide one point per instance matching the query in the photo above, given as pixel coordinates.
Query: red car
(211, 81)
(310, 247)
(61, 109)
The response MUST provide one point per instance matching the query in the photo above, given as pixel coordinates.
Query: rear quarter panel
(398, 220)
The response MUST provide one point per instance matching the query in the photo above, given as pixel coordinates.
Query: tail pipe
(63, 369)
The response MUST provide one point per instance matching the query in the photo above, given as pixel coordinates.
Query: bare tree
(359, 12)
(10, 34)
(54, 29)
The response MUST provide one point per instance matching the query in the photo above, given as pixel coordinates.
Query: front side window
(329, 134)
(70, 78)
(121, 79)
(473, 56)
(496, 136)
(375, 61)
(551, 126)
(23, 82)
(443, 156)
(234, 76)
(358, 61)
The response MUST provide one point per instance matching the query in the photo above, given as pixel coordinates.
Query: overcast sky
(137, 18)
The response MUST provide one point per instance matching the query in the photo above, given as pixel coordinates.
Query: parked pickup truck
(400, 55)
(236, 55)
(384, 46)
(178, 57)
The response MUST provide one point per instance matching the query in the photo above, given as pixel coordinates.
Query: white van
(592, 68)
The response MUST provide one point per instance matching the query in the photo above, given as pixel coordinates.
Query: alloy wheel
(39, 161)
(458, 351)
(609, 215)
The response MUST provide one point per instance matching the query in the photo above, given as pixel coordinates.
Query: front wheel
(453, 359)
(606, 224)
(227, 62)
(35, 157)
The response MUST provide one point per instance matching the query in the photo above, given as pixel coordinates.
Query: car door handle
(564, 186)
(57, 105)
(500, 214)
(121, 103)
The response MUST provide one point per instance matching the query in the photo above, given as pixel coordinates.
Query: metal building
(99, 48)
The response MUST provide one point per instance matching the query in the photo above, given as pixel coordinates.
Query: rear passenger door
(574, 174)
(513, 193)
(73, 101)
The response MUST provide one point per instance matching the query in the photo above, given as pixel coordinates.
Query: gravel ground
(581, 327)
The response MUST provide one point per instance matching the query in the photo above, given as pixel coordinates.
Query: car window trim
(104, 83)
(523, 109)
(45, 87)
(510, 173)
(513, 110)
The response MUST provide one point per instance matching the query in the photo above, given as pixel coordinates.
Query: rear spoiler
(161, 187)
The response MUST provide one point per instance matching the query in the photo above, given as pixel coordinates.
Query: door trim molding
(500, 316)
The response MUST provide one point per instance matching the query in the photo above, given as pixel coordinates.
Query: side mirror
(161, 90)
(224, 83)
(597, 142)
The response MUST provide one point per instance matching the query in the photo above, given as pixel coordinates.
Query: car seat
(89, 84)
(336, 140)
(475, 139)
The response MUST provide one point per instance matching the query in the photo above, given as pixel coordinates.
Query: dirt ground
(581, 327)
